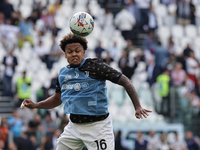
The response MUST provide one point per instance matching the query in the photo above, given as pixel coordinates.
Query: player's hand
(28, 103)
(140, 113)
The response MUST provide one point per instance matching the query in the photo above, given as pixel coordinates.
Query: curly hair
(71, 38)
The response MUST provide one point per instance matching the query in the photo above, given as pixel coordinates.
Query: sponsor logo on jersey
(84, 85)
(76, 86)
(65, 86)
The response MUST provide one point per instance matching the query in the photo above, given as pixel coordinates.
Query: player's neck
(73, 66)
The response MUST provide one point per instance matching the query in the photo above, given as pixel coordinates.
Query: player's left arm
(126, 83)
(106, 72)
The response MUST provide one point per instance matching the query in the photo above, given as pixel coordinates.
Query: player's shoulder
(94, 60)
(63, 69)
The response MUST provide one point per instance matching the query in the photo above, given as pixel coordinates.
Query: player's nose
(74, 53)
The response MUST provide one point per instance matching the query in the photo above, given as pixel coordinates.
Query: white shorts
(95, 136)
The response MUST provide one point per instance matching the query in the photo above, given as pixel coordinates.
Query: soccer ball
(81, 24)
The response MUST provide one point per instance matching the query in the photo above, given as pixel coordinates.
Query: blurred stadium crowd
(155, 43)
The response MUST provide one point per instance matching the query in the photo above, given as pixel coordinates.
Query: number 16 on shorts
(101, 144)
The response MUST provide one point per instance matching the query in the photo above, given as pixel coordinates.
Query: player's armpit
(58, 96)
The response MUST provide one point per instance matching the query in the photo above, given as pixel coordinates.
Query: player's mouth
(75, 60)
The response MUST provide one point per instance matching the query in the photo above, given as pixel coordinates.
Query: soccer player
(81, 87)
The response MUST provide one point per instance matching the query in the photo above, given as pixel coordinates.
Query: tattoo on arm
(126, 83)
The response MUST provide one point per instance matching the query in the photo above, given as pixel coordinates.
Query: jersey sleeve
(58, 89)
(104, 71)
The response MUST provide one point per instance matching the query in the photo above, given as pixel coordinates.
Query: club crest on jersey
(77, 74)
(87, 73)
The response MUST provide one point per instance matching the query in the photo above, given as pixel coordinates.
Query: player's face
(74, 53)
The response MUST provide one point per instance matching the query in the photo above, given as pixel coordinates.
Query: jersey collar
(77, 66)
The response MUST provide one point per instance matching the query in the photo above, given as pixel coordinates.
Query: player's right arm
(51, 102)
